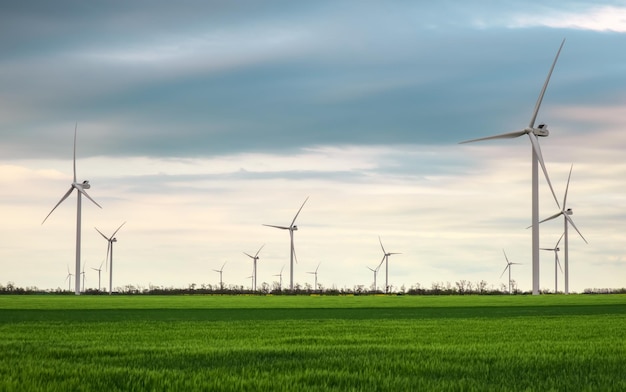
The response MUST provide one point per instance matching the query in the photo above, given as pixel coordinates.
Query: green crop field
(301, 343)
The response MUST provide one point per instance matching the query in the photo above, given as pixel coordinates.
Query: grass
(573, 343)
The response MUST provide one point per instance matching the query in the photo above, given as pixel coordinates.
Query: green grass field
(300, 343)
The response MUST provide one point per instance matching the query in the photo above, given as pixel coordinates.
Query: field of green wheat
(309, 343)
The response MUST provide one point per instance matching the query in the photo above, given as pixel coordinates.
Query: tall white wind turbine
(254, 258)
(567, 220)
(557, 263)
(220, 272)
(292, 251)
(386, 260)
(80, 190)
(110, 241)
(537, 158)
(315, 273)
(508, 266)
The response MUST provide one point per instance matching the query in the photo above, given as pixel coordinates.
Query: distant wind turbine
(386, 260)
(69, 279)
(83, 274)
(220, 272)
(537, 158)
(80, 190)
(508, 266)
(375, 271)
(557, 263)
(292, 251)
(566, 212)
(280, 283)
(254, 260)
(110, 241)
(315, 273)
(99, 269)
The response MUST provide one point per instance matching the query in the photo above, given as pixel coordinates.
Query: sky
(200, 121)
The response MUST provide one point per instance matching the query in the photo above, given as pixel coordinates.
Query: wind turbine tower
(80, 190)
(220, 272)
(315, 273)
(537, 158)
(508, 266)
(557, 263)
(386, 260)
(292, 251)
(110, 241)
(567, 220)
(254, 258)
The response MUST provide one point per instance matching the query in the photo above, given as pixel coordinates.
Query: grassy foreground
(371, 343)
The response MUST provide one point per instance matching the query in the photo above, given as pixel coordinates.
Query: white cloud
(595, 18)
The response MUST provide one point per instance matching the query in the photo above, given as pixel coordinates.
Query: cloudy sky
(200, 121)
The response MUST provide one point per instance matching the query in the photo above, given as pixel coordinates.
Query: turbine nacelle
(541, 130)
(569, 211)
(294, 227)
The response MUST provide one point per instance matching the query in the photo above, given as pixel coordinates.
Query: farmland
(368, 343)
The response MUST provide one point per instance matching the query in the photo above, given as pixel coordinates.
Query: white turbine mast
(386, 260)
(567, 220)
(220, 272)
(99, 269)
(292, 251)
(508, 266)
(537, 158)
(110, 241)
(80, 190)
(315, 273)
(557, 263)
(254, 258)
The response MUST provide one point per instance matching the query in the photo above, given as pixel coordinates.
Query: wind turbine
(69, 279)
(557, 263)
(315, 273)
(220, 271)
(80, 190)
(508, 266)
(251, 277)
(83, 274)
(99, 269)
(386, 260)
(110, 241)
(280, 283)
(375, 271)
(292, 252)
(254, 260)
(566, 212)
(537, 158)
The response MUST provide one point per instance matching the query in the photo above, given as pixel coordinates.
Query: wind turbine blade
(559, 241)
(505, 268)
(221, 269)
(509, 135)
(318, 267)
(506, 258)
(298, 213)
(558, 262)
(278, 227)
(381, 245)
(250, 256)
(545, 86)
(257, 252)
(537, 148)
(571, 222)
(105, 237)
(371, 269)
(60, 201)
(118, 229)
(108, 260)
(567, 187)
(74, 161)
(549, 218)
(81, 190)
(294, 254)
